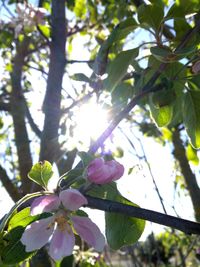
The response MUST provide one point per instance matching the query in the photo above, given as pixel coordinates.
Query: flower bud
(103, 172)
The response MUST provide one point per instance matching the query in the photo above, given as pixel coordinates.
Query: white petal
(72, 199)
(89, 231)
(62, 244)
(37, 234)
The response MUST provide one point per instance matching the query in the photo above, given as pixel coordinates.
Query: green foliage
(122, 93)
(80, 77)
(80, 9)
(41, 172)
(118, 33)
(161, 115)
(121, 230)
(12, 250)
(191, 154)
(151, 16)
(191, 116)
(118, 67)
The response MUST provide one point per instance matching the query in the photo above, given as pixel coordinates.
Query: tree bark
(190, 178)
(18, 111)
(9, 186)
(51, 105)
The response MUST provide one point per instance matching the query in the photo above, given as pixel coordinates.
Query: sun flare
(91, 121)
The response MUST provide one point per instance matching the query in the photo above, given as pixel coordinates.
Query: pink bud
(103, 172)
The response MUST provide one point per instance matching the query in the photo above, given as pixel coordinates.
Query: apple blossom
(57, 229)
(102, 172)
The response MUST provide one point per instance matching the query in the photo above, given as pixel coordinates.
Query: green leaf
(122, 93)
(151, 15)
(191, 116)
(161, 53)
(191, 154)
(80, 9)
(80, 77)
(45, 29)
(41, 172)
(119, 32)
(182, 8)
(124, 28)
(122, 230)
(86, 158)
(162, 115)
(14, 252)
(21, 218)
(118, 67)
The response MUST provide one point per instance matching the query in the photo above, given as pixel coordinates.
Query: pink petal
(62, 244)
(116, 169)
(95, 165)
(72, 199)
(37, 234)
(89, 231)
(100, 172)
(45, 204)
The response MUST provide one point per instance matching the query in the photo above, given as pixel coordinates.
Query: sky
(138, 186)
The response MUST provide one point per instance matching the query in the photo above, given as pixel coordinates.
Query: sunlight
(91, 121)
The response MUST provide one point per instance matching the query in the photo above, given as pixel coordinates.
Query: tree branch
(33, 125)
(4, 106)
(185, 226)
(9, 186)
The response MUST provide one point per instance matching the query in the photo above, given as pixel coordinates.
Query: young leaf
(118, 68)
(41, 172)
(122, 230)
(162, 115)
(191, 116)
(151, 15)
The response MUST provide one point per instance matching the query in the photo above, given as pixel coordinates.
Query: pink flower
(57, 229)
(102, 172)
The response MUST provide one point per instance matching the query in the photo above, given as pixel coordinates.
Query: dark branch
(79, 61)
(9, 186)
(185, 226)
(33, 125)
(4, 106)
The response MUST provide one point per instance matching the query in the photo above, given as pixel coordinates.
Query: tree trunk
(51, 105)
(190, 178)
(18, 111)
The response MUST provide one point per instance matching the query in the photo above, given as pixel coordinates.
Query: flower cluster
(28, 17)
(58, 229)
